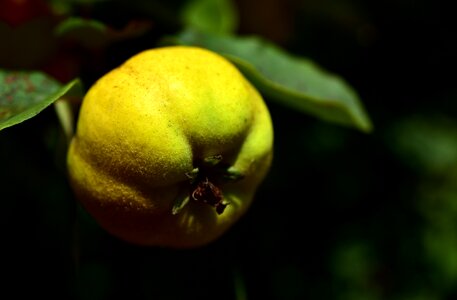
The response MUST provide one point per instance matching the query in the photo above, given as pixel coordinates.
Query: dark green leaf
(95, 34)
(293, 81)
(74, 24)
(217, 16)
(25, 94)
(89, 33)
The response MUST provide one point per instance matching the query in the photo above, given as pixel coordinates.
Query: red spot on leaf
(10, 79)
(29, 87)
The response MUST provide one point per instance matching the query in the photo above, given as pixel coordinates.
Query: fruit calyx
(204, 184)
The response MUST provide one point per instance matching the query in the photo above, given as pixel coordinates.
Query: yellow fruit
(170, 148)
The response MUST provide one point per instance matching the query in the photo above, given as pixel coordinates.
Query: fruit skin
(145, 125)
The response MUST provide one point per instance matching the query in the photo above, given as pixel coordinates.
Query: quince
(170, 147)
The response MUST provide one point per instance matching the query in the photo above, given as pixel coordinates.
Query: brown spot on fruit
(206, 192)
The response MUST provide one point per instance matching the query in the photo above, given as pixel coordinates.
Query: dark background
(342, 214)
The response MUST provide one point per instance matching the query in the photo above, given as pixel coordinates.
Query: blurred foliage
(342, 215)
(295, 82)
(215, 16)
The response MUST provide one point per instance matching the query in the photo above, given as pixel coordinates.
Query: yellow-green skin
(143, 126)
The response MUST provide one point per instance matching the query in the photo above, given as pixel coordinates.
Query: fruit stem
(65, 115)
(204, 184)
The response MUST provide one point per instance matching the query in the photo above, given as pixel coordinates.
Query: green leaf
(293, 81)
(216, 16)
(23, 95)
(90, 33)
(93, 34)
(74, 24)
